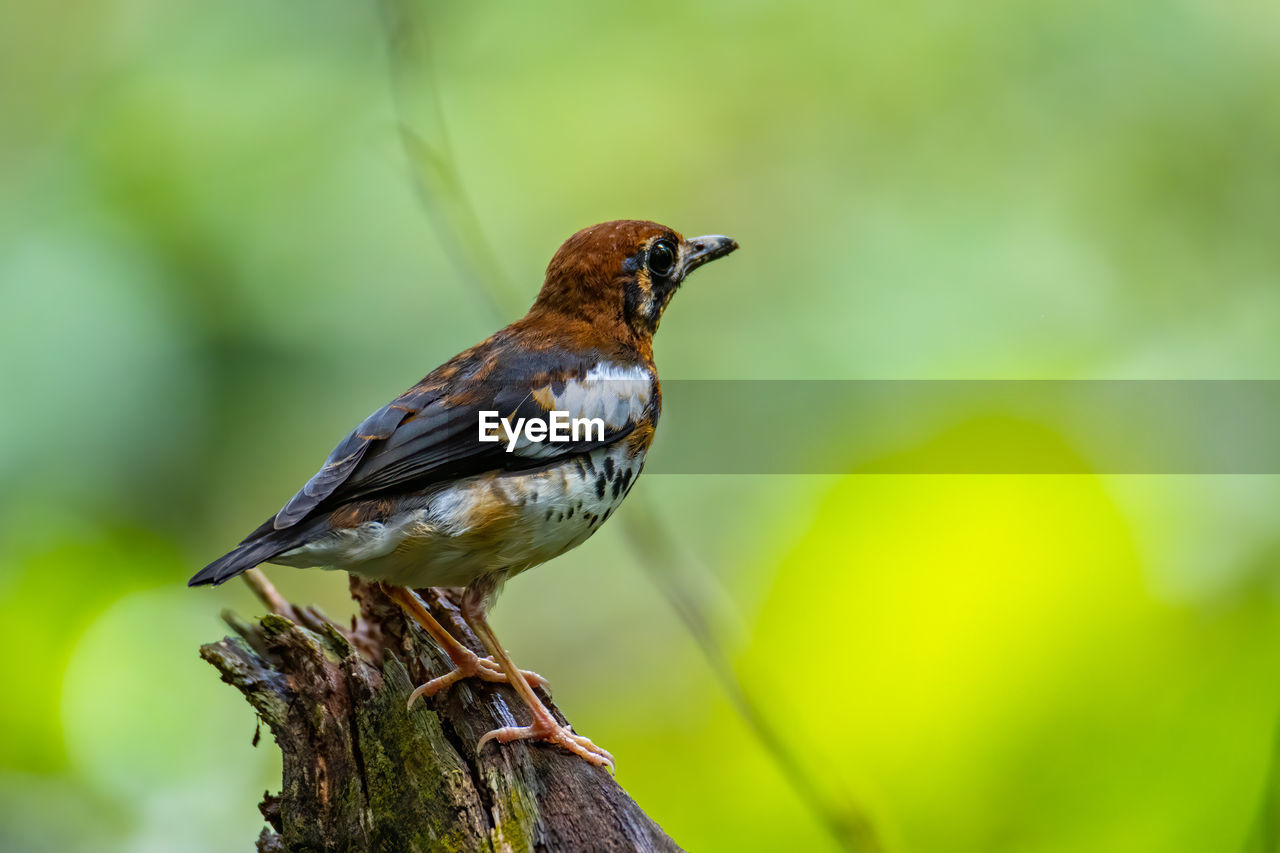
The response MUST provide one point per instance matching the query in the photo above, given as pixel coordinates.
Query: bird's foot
(486, 669)
(552, 732)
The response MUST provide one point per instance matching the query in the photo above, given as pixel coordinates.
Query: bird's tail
(260, 546)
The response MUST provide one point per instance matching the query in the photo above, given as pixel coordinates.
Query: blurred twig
(1264, 837)
(655, 546)
(267, 593)
(458, 227)
(435, 175)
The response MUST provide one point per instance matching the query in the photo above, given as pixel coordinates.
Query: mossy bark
(362, 772)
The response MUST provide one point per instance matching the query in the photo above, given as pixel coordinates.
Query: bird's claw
(486, 669)
(554, 733)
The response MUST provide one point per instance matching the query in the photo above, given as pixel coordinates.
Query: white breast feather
(615, 393)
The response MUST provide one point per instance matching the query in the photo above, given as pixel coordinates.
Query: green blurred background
(213, 264)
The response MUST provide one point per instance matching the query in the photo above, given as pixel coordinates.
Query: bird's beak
(701, 250)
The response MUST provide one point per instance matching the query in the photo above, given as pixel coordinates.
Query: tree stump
(362, 772)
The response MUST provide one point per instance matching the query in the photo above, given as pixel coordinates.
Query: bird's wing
(432, 431)
(351, 451)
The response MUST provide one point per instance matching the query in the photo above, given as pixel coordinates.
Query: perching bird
(423, 493)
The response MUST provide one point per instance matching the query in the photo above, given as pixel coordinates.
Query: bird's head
(624, 272)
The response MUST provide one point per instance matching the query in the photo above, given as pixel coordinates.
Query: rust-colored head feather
(619, 276)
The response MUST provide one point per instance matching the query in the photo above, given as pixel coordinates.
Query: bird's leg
(544, 726)
(467, 664)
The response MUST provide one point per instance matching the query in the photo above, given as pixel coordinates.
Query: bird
(449, 485)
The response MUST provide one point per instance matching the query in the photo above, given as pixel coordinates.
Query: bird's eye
(662, 258)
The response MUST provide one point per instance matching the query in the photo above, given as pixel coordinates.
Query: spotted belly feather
(494, 523)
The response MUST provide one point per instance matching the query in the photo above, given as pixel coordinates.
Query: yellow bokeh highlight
(984, 658)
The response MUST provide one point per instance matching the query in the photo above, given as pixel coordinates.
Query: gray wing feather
(346, 456)
(422, 434)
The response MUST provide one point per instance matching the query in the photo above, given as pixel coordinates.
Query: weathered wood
(361, 772)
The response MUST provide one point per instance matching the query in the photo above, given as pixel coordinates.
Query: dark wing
(441, 439)
(420, 402)
(431, 433)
